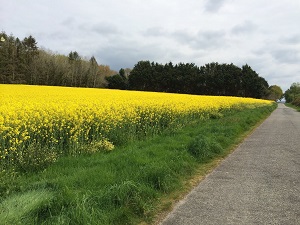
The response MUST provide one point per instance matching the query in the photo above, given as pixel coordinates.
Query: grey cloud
(202, 40)
(207, 39)
(214, 5)
(125, 55)
(101, 28)
(68, 22)
(246, 27)
(284, 81)
(289, 56)
(292, 39)
(57, 35)
(211, 35)
(105, 29)
(210, 39)
(155, 32)
(182, 36)
(272, 72)
(282, 50)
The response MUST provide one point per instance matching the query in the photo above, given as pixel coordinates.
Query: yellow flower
(64, 118)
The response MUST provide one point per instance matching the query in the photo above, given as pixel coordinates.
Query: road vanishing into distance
(259, 183)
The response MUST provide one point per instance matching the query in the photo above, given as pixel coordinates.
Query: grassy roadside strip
(129, 185)
(203, 169)
(292, 106)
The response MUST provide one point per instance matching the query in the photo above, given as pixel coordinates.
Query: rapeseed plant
(64, 119)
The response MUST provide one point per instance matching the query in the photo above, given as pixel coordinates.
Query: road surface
(259, 183)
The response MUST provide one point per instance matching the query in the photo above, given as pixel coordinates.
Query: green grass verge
(129, 185)
(292, 106)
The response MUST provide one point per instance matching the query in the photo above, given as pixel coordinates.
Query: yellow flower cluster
(63, 117)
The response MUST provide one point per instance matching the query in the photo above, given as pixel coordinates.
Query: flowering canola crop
(65, 118)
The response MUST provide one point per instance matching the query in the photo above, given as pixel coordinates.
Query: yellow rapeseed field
(64, 118)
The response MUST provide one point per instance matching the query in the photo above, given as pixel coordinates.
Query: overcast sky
(265, 34)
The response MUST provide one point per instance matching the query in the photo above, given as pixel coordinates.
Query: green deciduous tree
(23, 62)
(293, 92)
(92, 73)
(275, 93)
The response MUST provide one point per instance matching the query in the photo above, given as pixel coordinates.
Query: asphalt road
(259, 183)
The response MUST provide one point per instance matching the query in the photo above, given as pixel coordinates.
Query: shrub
(296, 102)
(204, 148)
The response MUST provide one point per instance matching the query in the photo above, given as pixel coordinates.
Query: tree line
(188, 78)
(22, 62)
(292, 95)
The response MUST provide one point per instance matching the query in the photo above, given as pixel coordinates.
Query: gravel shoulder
(259, 183)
